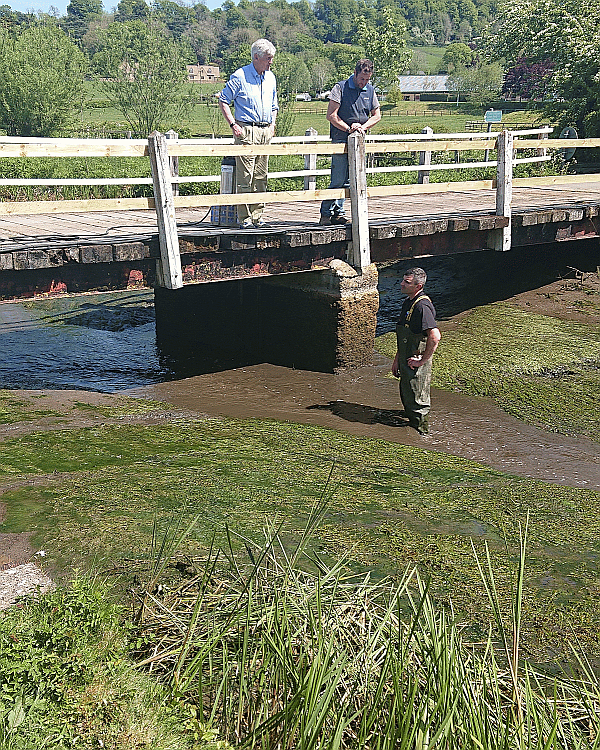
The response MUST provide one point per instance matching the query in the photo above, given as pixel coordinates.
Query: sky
(26, 6)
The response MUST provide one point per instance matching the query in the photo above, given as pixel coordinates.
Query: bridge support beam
(503, 237)
(318, 320)
(169, 266)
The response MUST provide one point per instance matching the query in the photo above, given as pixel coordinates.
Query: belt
(255, 124)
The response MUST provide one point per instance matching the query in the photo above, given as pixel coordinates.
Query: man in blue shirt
(253, 92)
(353, 107)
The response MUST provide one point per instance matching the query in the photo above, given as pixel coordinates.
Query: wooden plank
(170, 275)
(424, 160)
(571, 179)
(74, 206)
(273, 149)
(504, 181)
(558, 143)
(435, 187)
(398, 148)
(282, 196)
(360, 254)
(75, 147)
(310, 165)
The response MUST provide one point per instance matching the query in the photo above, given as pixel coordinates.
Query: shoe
(420, 425)
(260, 224)
(338, 219)
(325, 220)
(247, 224)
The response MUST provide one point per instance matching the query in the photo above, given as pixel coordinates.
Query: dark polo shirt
(356, 105)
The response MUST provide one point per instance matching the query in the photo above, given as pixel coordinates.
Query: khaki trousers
(251, 171)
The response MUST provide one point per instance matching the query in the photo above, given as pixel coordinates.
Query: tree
(145, 75)
(344, 57)
(480, 84)
(79, 15)
(176, 17)
(236, 58)
(456, 56)
(292, 75)
(566, 32)
(14, 19)
(322, 73)
(130, 10)
(386, 46)
(527, 80)
(41, 81)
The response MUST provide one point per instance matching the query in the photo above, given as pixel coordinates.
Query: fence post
(360, 255)
(169, 266)
(424, 160)
(502, 238)
(310, 162)
(174, 162)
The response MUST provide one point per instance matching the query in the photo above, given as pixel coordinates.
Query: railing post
(502, 239)
(174, 161)
(310, 163)
(424, 160)
(169, 266)
(360, 255)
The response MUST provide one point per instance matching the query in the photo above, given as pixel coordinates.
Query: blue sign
(493, 115)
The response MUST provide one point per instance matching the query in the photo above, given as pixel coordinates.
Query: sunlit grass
(391, 506)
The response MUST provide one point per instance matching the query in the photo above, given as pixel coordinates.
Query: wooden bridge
(168, 241)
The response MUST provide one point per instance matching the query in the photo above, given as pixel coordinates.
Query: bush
(65, 680)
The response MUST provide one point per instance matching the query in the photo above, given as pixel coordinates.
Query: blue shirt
(254, 96)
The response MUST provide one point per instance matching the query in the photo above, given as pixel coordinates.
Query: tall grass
(286, 650)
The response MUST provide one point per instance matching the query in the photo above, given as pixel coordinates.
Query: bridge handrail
(161, 150)
(77, 147)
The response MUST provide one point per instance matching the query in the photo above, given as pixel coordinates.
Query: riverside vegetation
(463, 614)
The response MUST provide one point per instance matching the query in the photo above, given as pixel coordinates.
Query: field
(204, 118)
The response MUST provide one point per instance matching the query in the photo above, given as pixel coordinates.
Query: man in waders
(418, 336)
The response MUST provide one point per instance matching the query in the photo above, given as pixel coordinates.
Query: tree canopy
(41, 81)
(145, 74)
(562, 35)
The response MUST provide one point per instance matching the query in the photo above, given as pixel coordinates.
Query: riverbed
(105, 343)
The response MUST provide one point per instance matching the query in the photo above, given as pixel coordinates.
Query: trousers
(251, 171)
(339, 179)
(415, 385)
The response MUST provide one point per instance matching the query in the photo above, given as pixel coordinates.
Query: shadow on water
(363, 414)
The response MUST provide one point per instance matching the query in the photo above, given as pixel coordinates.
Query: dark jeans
(339, 179)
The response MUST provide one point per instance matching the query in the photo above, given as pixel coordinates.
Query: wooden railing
(162, 151)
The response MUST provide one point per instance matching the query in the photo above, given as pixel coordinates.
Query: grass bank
(66, 679)
(100, 491)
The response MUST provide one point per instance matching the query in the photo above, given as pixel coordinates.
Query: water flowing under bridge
(169, 242)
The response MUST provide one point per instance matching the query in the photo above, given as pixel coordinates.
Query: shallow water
(366, 402)
(71, 342)
(106, 342)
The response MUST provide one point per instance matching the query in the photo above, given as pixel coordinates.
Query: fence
(479, 126)
(162, 151)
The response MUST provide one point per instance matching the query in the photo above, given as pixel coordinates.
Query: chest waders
(414, 384)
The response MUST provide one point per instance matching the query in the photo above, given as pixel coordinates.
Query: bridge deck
(25, 231)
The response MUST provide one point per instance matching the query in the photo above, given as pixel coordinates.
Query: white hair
(262, 48)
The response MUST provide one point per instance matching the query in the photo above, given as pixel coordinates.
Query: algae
(390, 506)
(540, 369)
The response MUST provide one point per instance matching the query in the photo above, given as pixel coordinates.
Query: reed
(282, 650)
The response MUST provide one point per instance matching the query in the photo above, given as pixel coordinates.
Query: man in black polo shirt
(418, 336)
(353, 106)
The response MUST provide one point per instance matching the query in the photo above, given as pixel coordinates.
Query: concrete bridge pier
(316, 320)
